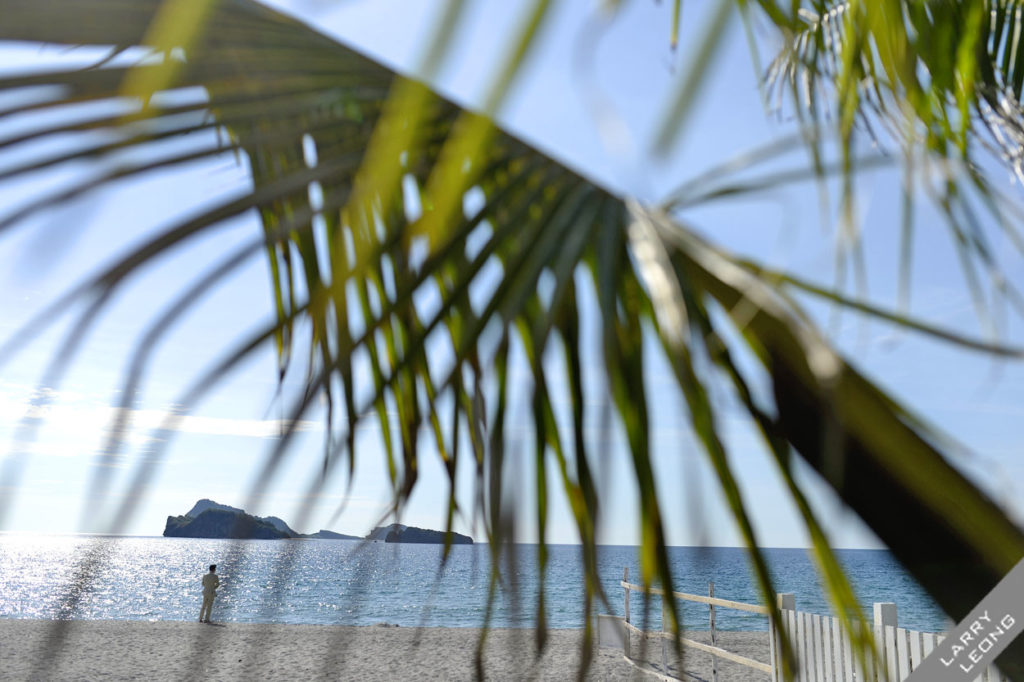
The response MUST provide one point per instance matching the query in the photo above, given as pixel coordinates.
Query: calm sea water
(351, 583)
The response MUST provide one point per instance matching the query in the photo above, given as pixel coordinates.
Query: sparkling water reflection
(352, 583)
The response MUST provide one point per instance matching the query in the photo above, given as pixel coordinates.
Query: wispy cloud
(68, 416)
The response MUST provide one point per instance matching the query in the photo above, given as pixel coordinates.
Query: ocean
(353, 583)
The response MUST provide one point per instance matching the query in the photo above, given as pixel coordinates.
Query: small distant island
(208, 519)
(396, 532)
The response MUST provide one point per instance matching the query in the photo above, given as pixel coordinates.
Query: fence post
(625, 579)
(627, 635)
(714, 635)
(785, 602)
(885, 614)
(664, 642)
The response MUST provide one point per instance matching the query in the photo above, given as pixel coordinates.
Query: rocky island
(208, 519)
(218, 523)
(396, 532)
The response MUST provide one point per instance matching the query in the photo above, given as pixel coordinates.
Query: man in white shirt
(210, 584)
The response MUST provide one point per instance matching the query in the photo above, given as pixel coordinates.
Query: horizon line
(359, 539)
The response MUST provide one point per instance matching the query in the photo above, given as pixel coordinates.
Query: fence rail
(715, 651)
(712, 601)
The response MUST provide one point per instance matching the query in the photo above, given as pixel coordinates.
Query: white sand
(131, 650)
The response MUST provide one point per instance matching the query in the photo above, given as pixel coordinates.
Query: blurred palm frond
(386, 209)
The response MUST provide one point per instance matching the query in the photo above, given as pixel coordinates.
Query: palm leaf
(940, 83)
(333, 144)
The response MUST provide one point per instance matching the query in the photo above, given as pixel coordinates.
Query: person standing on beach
(210, 584)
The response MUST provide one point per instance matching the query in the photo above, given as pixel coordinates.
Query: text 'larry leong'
(978, 640)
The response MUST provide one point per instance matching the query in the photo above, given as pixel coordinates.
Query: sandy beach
(154, 651)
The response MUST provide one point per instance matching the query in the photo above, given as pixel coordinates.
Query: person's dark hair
(213, 567)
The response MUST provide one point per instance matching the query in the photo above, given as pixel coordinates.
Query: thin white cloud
(78, 417)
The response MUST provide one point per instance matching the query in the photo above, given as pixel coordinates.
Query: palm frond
(937, 74)
(362, 201)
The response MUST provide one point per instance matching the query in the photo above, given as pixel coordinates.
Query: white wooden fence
(824, 653)
(821, 647)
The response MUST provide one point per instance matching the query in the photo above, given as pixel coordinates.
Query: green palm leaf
(335, 143)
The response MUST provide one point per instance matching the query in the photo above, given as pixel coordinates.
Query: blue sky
(591, 95)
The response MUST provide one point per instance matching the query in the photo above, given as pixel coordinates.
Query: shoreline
(382, 624)
(173, 650)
